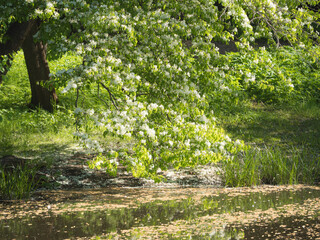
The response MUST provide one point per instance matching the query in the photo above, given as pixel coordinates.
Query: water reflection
(90, 223)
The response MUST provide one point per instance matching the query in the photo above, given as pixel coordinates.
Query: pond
(265, 212)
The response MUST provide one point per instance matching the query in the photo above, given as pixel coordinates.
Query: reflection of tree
(91, 223)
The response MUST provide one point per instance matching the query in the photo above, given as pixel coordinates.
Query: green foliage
(275, 75)
(4, 63)
(107, 162)
(260, 76)
(17, 183)
(301, 67)
(31, 131)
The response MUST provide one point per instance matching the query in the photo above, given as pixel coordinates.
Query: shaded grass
(297, 125)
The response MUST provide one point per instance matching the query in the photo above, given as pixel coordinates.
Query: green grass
(297, 124)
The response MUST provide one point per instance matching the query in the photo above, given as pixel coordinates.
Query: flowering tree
(156, 62)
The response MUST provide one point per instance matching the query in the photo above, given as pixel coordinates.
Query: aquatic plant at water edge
(270, 165)
(17, 183)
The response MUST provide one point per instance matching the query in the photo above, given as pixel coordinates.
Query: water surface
(200, 213)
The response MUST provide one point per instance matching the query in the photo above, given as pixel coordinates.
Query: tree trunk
(38, 70)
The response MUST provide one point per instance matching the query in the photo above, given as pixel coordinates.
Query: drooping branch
(76, 103)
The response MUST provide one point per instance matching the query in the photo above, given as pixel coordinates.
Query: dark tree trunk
(38, 70)
(15, 35)
(21, 35)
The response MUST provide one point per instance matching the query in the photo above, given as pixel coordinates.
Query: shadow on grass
(44, 153)
(266, 125)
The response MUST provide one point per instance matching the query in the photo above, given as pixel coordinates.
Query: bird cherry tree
(154, 64)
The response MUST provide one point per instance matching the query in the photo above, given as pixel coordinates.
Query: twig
(100, 97)
(76, 103)
(223, 13)
(141, 94)
(112, 98)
